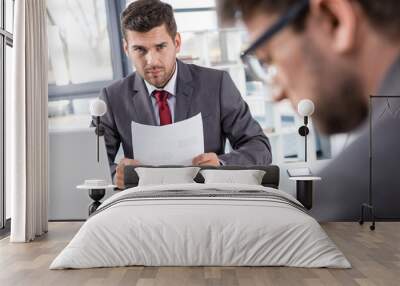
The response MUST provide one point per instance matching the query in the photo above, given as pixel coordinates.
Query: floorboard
(374, 255)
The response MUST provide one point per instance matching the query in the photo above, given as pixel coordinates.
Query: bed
(201, 224)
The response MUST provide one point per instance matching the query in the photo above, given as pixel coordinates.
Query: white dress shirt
(170, 87)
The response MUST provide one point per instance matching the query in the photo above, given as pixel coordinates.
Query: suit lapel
(144, 112)
(184, 90)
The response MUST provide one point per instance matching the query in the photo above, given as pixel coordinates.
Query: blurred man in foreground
(336, 53)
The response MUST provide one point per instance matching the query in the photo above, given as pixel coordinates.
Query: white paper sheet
(172, 144)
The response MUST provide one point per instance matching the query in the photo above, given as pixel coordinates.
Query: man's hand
(119, 174)
(206, 159)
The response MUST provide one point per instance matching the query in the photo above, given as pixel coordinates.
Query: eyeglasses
(261, 71)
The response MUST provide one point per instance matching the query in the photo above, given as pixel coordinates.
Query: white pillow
(165, 176)
(248, 177)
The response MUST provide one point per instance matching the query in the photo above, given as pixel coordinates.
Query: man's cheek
(283, 73)
(295, 84)
(138, 66)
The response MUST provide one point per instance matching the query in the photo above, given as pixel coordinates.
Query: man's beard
(340, 103)
(161, 81)
(343, 108)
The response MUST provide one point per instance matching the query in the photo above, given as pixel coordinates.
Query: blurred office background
(85, 55)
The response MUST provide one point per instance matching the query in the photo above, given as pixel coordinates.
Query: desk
(304, 190)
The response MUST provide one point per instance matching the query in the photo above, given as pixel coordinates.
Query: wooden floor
(375, 257)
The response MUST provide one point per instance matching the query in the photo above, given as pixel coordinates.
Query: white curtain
(27, 123)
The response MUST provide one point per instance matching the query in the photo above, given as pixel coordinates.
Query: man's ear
(178, 42)
(125, 44)
(339, 19)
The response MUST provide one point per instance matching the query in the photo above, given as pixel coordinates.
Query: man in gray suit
(165, 90)
(337, 53)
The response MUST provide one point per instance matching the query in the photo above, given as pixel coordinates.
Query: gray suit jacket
(345, 182)
(211, 92)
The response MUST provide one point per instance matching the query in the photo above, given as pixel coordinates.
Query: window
(6, 43)
(196, 15)
(196, 20)
(84, 50)
(85, 55)
(79, 42)
(9, 15)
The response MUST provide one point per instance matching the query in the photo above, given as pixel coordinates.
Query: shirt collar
(170, 87)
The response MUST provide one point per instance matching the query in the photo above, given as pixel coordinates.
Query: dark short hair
(383, 15)
(144, 15)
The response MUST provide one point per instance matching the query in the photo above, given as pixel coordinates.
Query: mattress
(201, 225)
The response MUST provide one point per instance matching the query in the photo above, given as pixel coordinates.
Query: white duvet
(183, 231)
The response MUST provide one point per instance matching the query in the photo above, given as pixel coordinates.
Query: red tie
(163, 108)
